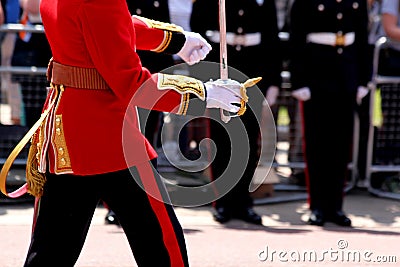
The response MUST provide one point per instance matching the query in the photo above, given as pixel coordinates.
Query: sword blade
(222, 44)
(223, 62)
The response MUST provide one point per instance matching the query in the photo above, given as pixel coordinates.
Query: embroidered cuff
(192, 90)
(174, 39)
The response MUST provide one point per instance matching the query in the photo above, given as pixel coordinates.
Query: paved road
(283, 239)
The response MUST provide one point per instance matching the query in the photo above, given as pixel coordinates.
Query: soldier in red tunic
(97, 81)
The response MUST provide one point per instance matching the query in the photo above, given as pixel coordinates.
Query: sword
(222, 43)
(223, 51)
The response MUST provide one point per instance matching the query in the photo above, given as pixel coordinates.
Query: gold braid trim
(34, 178)
(185, 104)
(167, 27)
(160, 25)
(63, 161)
(182, 84)
(165, 43)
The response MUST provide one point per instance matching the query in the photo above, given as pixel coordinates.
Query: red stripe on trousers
(150, 185)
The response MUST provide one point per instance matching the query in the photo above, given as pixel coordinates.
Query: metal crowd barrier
(383, 152)
(16, 28)
(11, 77)
(9, 133)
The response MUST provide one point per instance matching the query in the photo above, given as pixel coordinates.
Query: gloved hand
(195, 48)
(228, 95)
(272, 95)
(224, 94)
(302, 94)
(362, 91)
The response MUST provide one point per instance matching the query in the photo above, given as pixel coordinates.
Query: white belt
(248, 39)
(330, 38)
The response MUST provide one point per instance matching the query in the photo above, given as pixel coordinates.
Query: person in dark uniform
(252, 48)
(150, 120)
(329, 73)
(156, 10)
(171, 11)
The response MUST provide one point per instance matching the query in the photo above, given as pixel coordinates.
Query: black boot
(316, 218)
(222, 215)
(248, 215)
(339, 218)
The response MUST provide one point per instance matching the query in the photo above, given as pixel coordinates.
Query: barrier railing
(384, 139)
(11, 98)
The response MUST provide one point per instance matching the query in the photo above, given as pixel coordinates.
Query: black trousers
(67, 206)
(237, 155)
(328, 133)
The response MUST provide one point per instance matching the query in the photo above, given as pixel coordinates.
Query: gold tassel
(243, 92)
(34, 178)
(251, 82)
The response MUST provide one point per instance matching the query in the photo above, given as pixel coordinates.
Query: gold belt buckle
(340, 40)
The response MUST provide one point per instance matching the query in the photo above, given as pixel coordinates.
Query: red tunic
(87, 135)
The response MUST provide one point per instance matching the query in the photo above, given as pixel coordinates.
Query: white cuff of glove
(224, 95)
(302, 94)
(272, 95)
(195, 48)
(362, 91)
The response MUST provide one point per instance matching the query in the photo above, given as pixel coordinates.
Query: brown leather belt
(76, 77)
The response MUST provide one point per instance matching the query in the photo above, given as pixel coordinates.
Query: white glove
(302, 94)
(362, 91)
(195, 48)
(224, 94)
(272, 95)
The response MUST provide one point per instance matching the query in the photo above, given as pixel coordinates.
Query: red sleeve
(147, 38)
(158, 36)
(110, 38)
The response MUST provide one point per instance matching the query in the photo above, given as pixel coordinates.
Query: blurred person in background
(390, 19)
(295, 151)
(10, 13)
(252, 48)
(176, 12)
(2, 15)
(329, 74)
(156, 10)
(31, 50)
